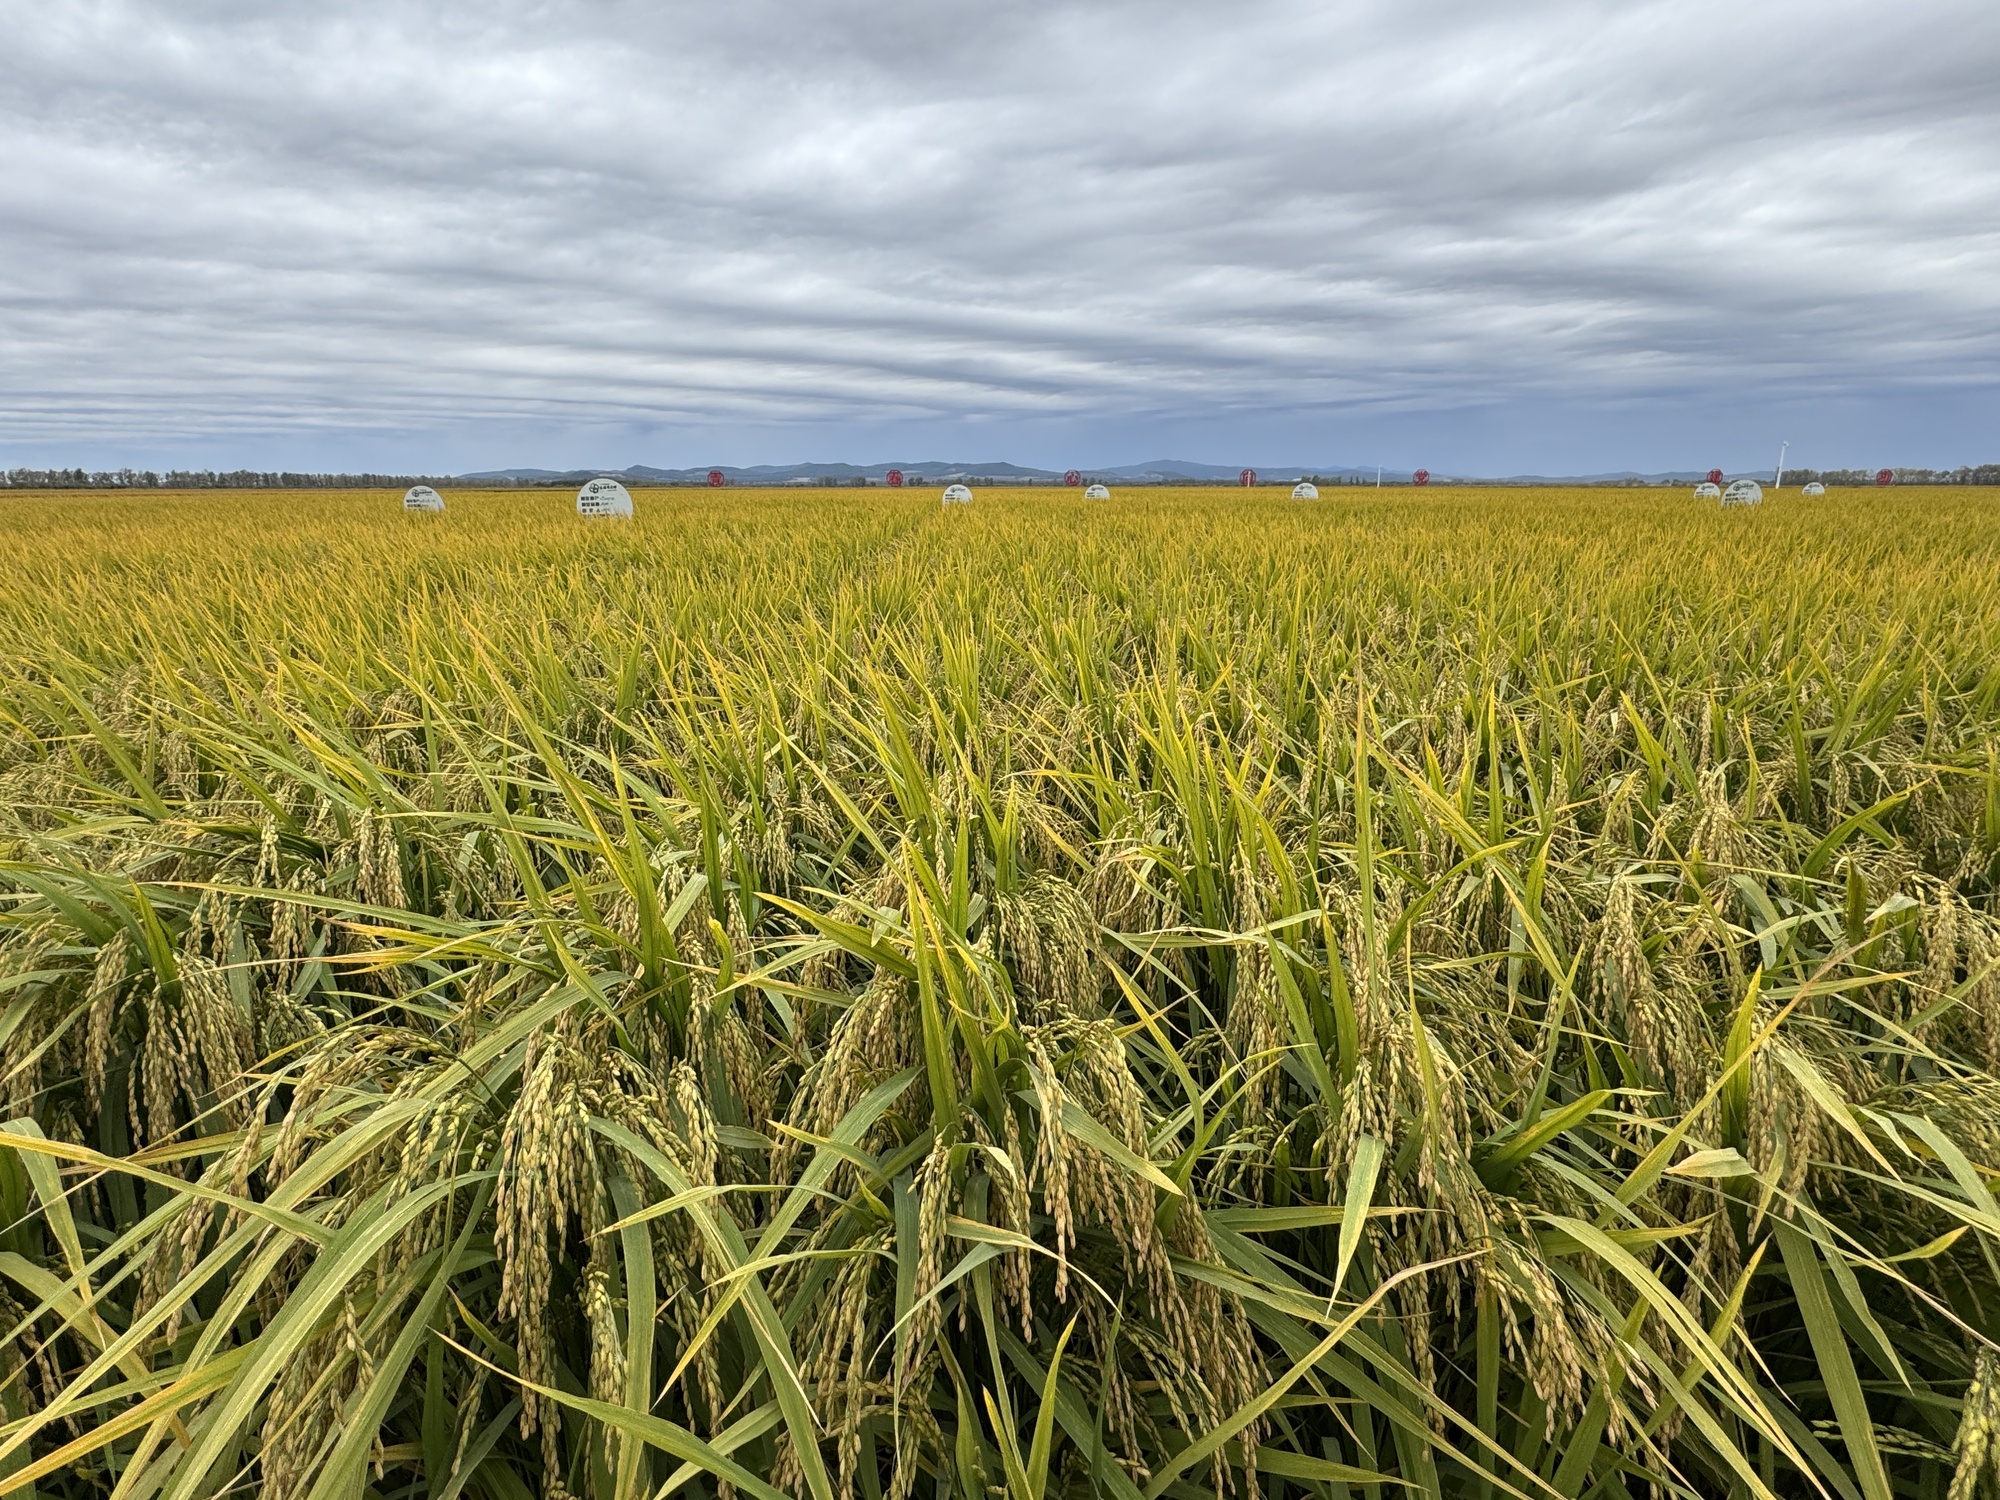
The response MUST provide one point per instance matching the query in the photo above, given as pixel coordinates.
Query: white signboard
(1305, 490)
(422, 497)
(1744, 492)
(1097, 492)
(957, 494)
(604, 497)
(1707, 491)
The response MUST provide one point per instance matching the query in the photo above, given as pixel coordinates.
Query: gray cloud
(523, 231)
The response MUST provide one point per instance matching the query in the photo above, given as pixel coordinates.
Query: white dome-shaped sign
(1707, 491)
(1744, 492)
(1815, 488)
(957, 494)
(1305, 489)
(604, 497)
(1097, 492)
(422, 497)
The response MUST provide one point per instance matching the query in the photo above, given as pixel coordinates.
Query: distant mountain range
(927, 469)
(933, 471)
(1157, 471)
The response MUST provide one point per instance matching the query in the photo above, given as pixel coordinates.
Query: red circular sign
(715, 477)
(1422, 476)
(1247, 478)
(1886, 476)
(895, 478)
(1072, 476)
(1715, 476)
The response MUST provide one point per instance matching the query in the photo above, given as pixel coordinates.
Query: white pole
(1779, 482)
(1378, 476)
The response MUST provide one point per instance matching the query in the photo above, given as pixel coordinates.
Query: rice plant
(1467, 994)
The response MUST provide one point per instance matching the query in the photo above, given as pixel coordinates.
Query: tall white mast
(1779, 482)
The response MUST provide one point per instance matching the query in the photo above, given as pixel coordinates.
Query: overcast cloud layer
(1554, 236)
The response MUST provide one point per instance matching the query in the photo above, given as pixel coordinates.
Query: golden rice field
(1439, 994)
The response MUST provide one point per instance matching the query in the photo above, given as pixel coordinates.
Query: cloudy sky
(1543, 236)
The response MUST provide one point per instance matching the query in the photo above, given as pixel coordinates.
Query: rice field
(815, 994)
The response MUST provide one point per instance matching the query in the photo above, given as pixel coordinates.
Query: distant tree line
(257, 479)
(206, 479)
(1964, 474)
